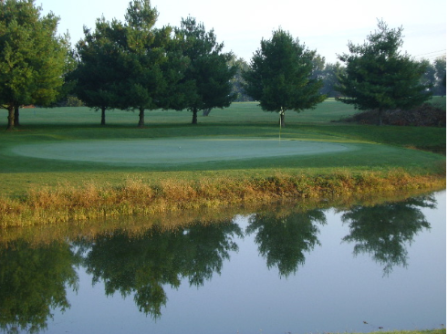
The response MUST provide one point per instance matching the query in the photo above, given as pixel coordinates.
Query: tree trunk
(16, 116)
(141, 120)
(195, 116)
(282, 120)
(206, 112)
(380, 117)
(103, 116)
(10, 117)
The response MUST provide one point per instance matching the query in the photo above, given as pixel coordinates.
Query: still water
(363, 268)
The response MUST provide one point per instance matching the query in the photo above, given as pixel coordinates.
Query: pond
(357, 269)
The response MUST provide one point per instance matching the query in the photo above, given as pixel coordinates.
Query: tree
(237, 81)
(130, 65)
(378, 77)
(280, 76)
(150, 64)
(208, 73)
(32, 58)
(318, 67)
(440, 67)
(140, 62)
(330, 78)
(97, 72)
(429, 76)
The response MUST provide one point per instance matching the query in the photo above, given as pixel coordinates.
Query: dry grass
(136, 197)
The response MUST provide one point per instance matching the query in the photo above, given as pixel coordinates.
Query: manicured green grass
(238, 113)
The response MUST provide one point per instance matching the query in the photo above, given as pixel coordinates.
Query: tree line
(132, 65)
(435, 76)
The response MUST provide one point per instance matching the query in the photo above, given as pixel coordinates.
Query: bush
(424, 115)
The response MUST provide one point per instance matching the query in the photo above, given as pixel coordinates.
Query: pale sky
(322, 25)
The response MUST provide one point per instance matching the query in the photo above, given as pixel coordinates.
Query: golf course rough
(176, 150)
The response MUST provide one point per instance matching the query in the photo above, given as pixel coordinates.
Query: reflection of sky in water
(334, 291)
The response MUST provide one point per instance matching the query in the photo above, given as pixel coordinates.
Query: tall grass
(64, 203)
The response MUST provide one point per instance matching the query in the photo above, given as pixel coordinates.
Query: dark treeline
(132, 65)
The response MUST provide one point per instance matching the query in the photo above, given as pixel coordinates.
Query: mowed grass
(237, 113)
(379, 149)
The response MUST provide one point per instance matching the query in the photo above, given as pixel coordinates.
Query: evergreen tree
(97, 72)
(208, 74)
(140, 62)
(151, 65)
(280, 76)
(379, 77)
(32, 58)
(130, 65)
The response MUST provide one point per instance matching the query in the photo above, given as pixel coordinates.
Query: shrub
(424, 115)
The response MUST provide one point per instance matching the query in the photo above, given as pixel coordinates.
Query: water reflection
(33, 282)
(140, 265)
(384, 230)
(283, 238)
(34, 279)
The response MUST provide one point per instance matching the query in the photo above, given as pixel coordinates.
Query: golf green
(175, 150)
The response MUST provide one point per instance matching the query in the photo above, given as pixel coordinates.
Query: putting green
(175, 150)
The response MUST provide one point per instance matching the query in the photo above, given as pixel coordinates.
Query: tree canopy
(280, 75)
(378, 76)
(143, 83)
(208, 74)
(32, 58)
(96, 72)
(131, 65)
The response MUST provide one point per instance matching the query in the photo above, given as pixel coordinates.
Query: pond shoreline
(135, 197)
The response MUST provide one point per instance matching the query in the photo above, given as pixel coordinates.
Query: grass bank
(48, 191)
(53, 205)
(39, 234)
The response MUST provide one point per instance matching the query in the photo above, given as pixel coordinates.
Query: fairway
(176, 150)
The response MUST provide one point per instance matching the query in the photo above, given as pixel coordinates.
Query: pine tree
(280, 76)
(96, 73)
(378, 77)
(208, 75)
(130, 65)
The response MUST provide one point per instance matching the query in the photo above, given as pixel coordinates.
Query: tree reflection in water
(33, 279)
(142, 264)
(383, 230)
(33, 282)
(284, 238)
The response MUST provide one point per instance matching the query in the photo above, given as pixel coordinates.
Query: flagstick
(280, 126)
(281, 112)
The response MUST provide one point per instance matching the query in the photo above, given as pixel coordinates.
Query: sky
(325, 26)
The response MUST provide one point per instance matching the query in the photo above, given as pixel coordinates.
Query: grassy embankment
(33, 191)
